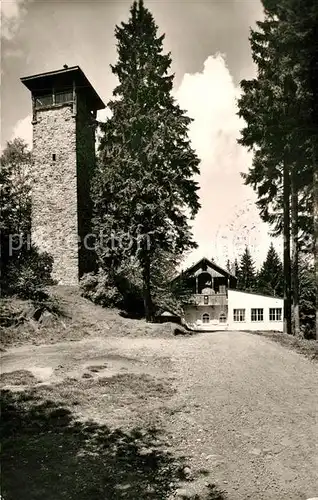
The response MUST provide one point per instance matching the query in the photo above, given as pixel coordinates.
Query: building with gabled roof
(214, 303)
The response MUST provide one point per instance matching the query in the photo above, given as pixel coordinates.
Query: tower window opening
(54, 157)
(64, 96)
(44, 100)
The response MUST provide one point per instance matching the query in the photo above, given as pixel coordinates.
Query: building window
(222, 289)
(275, 314)
(60, 97)
(222, 318)
(53, 157)
(239, 314)
(44, 100)
(257, 315)
(205, 318)
(206, 299)
(64, 96)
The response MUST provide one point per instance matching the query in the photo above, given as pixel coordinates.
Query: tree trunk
(313, 83)
(315, 210)
(287, 274)
(295, 254)
(148, 305)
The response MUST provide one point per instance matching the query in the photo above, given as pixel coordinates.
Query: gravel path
(251, 415)
(245, 408)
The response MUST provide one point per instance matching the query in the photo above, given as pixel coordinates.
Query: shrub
(99, 288)
(124, 289)
(28, 274)
(119, 290)
(24, 273)
(307, 297)
(129, 284)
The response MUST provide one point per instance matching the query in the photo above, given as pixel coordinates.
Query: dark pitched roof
(44, 80)
(209, 262)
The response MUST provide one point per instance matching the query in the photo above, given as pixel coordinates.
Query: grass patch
(66, 316)
(47, 453)
(24, 320)
(308, 348)
(18, 377)
(124, 399)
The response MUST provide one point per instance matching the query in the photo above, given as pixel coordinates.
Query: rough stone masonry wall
(54, 193)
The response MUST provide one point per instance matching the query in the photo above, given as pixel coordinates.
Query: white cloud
(103, 114)
(23, 129)
(228, 219)
(12, 14)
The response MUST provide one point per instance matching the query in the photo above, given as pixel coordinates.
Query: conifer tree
(282, 128)
(236, 269)
(262, 106)
(143, 188)
(307, 295)
(270, 279)
(247, 277)
(229, 266)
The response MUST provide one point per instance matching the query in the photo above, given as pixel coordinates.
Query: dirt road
(252, 415)
(244, 410)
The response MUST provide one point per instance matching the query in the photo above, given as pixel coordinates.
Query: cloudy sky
(211, 54)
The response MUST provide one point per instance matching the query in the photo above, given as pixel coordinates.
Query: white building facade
(249, 311)
(216, 305)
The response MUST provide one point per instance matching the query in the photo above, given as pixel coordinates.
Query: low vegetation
(92, 436)
(47, 453)
(66, 315)
(24, 271)
(307, 347)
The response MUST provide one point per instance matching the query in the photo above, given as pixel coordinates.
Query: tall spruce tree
(277, 107)
(297, 30)
(247, 275)
(144, 191)
(270, 279)
(262, 106)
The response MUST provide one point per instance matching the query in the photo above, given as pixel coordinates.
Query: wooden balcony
(218, 299)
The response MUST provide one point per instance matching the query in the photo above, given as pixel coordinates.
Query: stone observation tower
(64, 106)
